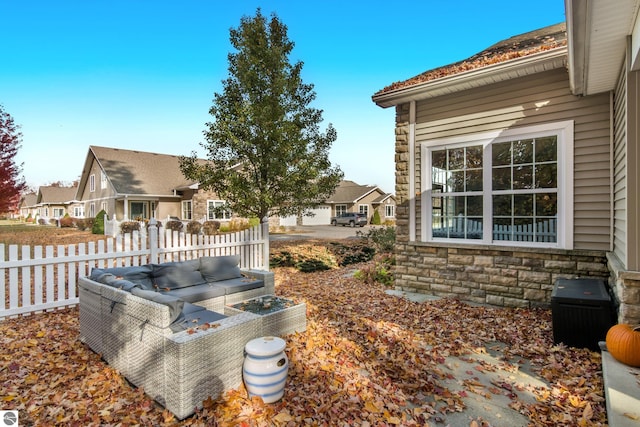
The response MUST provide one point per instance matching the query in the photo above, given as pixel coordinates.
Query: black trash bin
(581, 312)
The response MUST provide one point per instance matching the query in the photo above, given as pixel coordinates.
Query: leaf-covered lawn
(366, 359)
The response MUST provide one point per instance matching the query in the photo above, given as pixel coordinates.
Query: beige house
(518, 166)
(365, 199)
(347, 197)
(27, 205)
(130, 184)
(54, 202)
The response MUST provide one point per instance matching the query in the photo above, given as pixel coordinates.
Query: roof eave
(520, 67)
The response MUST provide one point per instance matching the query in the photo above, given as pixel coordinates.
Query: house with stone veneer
(140, 185)
(520, 164)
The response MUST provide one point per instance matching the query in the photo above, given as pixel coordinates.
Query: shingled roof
(140, 172)
(516, 47)
(56, 195)
(350, 192)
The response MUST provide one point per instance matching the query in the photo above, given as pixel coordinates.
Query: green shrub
(351, 253)
(98, 223)
(311, 265)
(194, 227)
(376, 218)
(174, 225)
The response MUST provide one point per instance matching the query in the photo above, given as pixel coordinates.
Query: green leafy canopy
(266, 153)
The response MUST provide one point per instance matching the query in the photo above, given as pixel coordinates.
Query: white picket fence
(35, 279)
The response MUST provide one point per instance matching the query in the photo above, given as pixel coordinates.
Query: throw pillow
(218, 268)
(174, 275)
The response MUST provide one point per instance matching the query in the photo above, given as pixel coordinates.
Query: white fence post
(265, 236)
(153, 241)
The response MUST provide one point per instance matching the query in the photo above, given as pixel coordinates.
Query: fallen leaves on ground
(366, 359)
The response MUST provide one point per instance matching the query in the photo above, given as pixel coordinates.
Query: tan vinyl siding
(538, 99)
(620, 170)
(633, 171)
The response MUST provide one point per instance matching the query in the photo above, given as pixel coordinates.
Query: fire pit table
(280, 316)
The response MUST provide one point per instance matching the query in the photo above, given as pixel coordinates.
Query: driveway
(303, 232)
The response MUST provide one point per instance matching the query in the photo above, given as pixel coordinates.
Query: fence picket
(38, 283)
(37, 274)
(26, 277)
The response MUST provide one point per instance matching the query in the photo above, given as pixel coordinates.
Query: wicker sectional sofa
(162, 326)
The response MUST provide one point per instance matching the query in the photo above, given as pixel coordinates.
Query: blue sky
(141, 74)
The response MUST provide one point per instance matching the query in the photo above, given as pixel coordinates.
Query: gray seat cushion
(241, 284)
(196, 318)
(197, 293)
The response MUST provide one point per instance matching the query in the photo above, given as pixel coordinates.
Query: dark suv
(350, 218)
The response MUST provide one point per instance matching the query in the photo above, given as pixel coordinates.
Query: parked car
(350, 218)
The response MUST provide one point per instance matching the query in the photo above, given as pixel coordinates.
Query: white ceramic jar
(265, 368)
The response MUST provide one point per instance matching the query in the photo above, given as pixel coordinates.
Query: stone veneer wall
(511, 277)
(626, 288)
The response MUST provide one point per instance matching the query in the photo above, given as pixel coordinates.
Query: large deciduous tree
(266, 153)
(11, 181)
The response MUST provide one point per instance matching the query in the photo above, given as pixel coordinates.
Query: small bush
(67, 221)
(98, 224)
(210, 227)
(383, 239)
(381, 271)
(174, 225)
(194, 227)
(129, 226)
(53, 221)
(84, 223)
(376, 218)
(352, 253)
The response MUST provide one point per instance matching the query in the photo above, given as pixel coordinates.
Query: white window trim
(564, 132)
(393, 210)
(92, 183)
(103, 180)
(218, 219)
(190, 203)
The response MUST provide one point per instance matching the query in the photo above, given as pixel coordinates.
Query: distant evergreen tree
(266, 153)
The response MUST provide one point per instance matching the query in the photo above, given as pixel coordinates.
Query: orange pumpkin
(623, 342)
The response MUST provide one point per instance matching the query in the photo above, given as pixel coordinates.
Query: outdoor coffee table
(280, 316)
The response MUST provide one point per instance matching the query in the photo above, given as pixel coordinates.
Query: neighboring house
(365, 199)
(520, 165)
(129, 184)
(28, 206)
(54, 202)
(348, 197)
